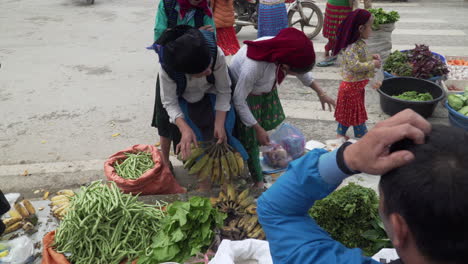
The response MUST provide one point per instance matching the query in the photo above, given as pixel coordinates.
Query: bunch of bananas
(61, 203)
(23, 215)
(219, 162)
(242, 220)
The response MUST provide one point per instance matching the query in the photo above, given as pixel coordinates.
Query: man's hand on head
(371, 153)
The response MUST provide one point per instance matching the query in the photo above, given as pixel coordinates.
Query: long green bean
(134, 165)
(94, 232)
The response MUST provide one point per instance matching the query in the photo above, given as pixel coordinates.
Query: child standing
(357, 68)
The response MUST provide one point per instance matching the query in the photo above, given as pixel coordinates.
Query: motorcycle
(304, 15)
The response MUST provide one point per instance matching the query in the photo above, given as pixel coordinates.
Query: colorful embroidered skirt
(334, 15)
(272, 18)
(227, 40)
(267, 109)
(350, 107)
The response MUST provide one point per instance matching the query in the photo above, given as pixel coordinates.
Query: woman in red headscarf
(258, 68)
(357, 68)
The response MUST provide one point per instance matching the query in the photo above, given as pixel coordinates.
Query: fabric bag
(158, 180)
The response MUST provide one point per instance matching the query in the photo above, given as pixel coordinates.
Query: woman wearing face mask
(196, 89)
(258, 68)
(357, 68)
(171, 13)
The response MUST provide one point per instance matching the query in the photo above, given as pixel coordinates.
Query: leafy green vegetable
(464, 111)
(397, 64)
(349, 215)
(186, 230)
(414, 96)
(383, 17)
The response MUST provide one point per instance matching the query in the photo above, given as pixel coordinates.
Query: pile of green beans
(105, 226)
(134, 165)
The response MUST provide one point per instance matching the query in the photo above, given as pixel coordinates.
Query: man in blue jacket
(422, 195)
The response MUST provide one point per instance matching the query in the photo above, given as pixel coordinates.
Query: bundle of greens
(419, 62)
(104, 225)
(381, 17)
(348, 214)
(398, 65)
(414, 96)
(459, 102)
(186, 230)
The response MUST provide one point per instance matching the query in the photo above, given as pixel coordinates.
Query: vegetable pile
(458, 72)
(459, 102)
(242, 221)
(134, 165)
(105, 226)
(414, 96)
(419, 62)
(460, 62)
(186, 230)
(382, 17)
(218, 162)
(349, 213)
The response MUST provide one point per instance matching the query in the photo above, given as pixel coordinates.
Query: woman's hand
(377, 64)
(219, 130)
(188, 137)
(327, 100)
(220, 133)
(262, 135)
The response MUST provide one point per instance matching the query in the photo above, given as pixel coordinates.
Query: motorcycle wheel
(314, 16)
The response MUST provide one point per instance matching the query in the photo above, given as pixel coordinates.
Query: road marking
(422, 20)
(429, 32)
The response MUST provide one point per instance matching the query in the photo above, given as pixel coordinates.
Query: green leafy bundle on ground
(350, 213)
(185, 231)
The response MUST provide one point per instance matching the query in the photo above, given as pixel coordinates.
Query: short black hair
(430, 194)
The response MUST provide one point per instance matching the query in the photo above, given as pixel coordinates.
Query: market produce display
(458, 72)
(104, 225)
(61, 203)
(22, 215)
(382, 17)
(241, 221)
(135, 165)
(218, 162)
(185, 231)
(348, 214)
(419, 62)
(459, 62)
(459, 102)
(414, 96)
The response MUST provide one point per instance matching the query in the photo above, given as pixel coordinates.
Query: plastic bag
(244, 251)
(291, 138)
(19, 250)
(275, 156)
(158, 180)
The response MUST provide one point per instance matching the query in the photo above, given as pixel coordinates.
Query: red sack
(50, 256)
(158, 180)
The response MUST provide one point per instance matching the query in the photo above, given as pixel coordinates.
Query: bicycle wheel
(312, 23)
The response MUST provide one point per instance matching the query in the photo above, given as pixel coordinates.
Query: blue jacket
(294, 237)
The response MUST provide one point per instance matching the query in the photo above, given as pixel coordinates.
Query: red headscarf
(348, 31)
(290, 47)
(186, 6)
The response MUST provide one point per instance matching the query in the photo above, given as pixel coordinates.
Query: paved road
(73, 76)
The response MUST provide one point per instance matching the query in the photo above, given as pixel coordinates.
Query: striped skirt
(334, 15)
(271, 19)
(227, 40)
(350, 106)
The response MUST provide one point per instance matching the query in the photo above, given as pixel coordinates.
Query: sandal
(328, 62)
